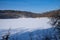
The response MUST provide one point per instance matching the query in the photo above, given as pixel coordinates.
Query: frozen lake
(25, 23)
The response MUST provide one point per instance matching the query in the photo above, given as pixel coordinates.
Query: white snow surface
(25, 23)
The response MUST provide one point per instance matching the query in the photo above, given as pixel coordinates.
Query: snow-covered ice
(25, 23)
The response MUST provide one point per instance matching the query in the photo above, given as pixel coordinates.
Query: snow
(25, 23)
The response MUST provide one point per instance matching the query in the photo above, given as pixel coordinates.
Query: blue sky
(30, 5)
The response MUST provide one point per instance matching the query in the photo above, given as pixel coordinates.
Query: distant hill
(20, 14)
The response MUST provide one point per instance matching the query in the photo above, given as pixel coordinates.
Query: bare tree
(56, 22)
(6, 36)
